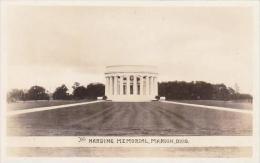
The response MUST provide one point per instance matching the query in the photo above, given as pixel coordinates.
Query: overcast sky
(52, 45)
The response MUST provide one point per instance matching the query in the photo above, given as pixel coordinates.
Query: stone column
(121, 85)
(147, 86)
(106, 90)
(127, 85)
(152, 86)
(135, 86)
(115, 85)
(141, 85)
(150, 83)
(110, 86)
(156, 86)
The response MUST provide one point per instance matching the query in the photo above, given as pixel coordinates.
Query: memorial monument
(131, 82)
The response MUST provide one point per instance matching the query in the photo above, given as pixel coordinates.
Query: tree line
(199, 90)
(172, 90)
(91, 91)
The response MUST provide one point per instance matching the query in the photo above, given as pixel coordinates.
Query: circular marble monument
(131, 83)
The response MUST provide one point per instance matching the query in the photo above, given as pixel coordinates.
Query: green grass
(130, 119)
(228, 104)
(45, 103)
(41, 103)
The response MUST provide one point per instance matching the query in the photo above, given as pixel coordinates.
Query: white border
(254, 4)
(3, 81)
(121, 3)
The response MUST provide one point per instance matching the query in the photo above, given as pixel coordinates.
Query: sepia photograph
(130, 80)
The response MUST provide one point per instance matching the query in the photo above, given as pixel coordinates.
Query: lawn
(228, 104)
(130, 119)
(40, 103)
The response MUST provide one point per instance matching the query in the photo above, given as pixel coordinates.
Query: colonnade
(131, 85)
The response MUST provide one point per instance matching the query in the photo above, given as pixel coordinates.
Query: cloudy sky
(51, 45)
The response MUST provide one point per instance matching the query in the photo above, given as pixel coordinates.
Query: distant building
(131, 82)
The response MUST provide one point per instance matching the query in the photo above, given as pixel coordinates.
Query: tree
(75, 85)
(198, 90)
(182, 90)
(37, 93)
(95, 90)
(61, 93)
(203, 90)
(16, 95)
(79, 92)
(221, 92)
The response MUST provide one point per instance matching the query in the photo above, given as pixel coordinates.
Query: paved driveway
(130, 119)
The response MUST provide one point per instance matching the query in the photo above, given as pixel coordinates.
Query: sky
(54, 45)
